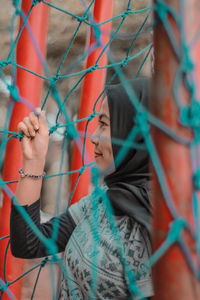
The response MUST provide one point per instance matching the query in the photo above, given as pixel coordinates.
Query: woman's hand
(34, 143)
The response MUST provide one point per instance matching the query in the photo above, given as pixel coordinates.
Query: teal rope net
(144, 119)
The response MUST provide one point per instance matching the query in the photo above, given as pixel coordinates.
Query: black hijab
(128, 185)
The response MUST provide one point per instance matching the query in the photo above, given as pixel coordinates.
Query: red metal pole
(173, 278)
(93, 84)
(29, 87)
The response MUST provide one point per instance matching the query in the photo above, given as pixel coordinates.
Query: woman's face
(101, 138)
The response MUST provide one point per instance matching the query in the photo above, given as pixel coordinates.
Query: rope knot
(52, 129)
(83, 18)
(54, 79)
(18, 135)
(35, 2)
(93, 68)
(124, 61)
(176, 228)
(82, 170)
(196, 179)
(187, 64)
(126, 13)
(91, 116)
(18, 12)
(190, 116)
(14, 92)
(43, 263)
(3, 63)
(4, 287)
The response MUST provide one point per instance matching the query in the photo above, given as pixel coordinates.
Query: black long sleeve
(25, 244)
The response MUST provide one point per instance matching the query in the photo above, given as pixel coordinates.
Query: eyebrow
(101, 116)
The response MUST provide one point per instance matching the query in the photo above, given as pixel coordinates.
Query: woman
(127, 187)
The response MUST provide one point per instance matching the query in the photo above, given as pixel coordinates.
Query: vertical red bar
(93, 84)
(173, 278)
(29, 87)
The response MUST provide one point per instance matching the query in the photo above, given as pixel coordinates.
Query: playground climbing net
(144, 119)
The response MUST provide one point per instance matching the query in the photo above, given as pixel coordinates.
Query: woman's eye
(102, 124)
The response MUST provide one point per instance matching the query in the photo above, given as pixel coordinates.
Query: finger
(22, 129)
(43, 127)
(37, 112)
(34, 120)
(40, 114)
(29, 126)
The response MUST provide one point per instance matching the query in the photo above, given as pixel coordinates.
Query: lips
(97, 154)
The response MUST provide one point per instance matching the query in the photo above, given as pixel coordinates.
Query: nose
(94, 138)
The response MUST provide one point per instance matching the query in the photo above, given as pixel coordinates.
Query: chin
(100, 167)
(105, 168)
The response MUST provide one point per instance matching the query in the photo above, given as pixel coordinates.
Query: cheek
(107, 147)
(108, 157)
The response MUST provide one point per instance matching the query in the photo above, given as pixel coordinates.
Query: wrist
(24, 174)
(34, 166)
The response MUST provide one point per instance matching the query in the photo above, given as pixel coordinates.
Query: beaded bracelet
(24, 174)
